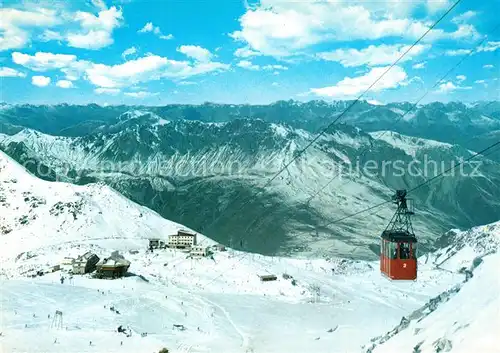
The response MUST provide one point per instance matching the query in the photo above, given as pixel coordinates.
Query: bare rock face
(442, 345)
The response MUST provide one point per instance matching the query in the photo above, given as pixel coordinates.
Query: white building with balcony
(182, 240)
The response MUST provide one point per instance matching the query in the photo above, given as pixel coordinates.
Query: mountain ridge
(218, 303)
(176, 167)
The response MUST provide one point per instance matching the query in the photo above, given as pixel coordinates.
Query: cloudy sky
(230, 51)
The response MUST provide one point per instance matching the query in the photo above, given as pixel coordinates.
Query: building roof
(113, 261)
(86, 256)
(267, 276)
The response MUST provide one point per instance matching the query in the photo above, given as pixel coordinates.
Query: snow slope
(38, 215)
(466, 317)
(325, 306)
(410, 145)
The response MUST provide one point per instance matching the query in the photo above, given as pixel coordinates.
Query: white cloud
(195, 52)
(373, 55)
(99, 4)
(187, 83)
(111, 91)
(419, 65)
(129, 51)
(40, 81)
(49, 35)
(245, 64)
(489, 47)
(76, 69)
(488, 66)
(150, 28)
(275, 84)
(141, 94)
(90, 40)
(411, 80)
(245, 52)
(463, 31)
(275, 67)
(64, 84)
(90, 32)
(457, 52)
(352, 87)
(184, 69)
(9, 72)
(42, 61)
(438, 5)
(464, 17)
(97, 30)
(461, 78)
(147, 68)
(448, 87)
(16, 25)
(481, 82)
(130, 72)
(278, 28)
(166, 37)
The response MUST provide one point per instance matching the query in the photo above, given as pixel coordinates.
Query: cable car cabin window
(404, 251)
(393, 250)
(414, 250)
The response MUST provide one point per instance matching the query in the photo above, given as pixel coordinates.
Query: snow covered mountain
(209, 176)
(37, 215)
(440, 121)
(220, 303)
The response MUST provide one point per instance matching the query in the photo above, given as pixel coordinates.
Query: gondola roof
(398, 236)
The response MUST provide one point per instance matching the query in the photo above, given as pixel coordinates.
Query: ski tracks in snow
(245, 341)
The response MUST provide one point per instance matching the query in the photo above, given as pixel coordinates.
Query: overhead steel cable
(412, 107)
(491, 152)
(301, 152)
(340, 116)
(454, 167)
(244, 254)
(440, 175)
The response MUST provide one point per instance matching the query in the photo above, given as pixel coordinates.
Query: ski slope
(325, 305)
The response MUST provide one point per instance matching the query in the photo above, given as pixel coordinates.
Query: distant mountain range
(470, 125)
(194, 167)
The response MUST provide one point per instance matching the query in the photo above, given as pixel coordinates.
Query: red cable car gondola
(398, 251)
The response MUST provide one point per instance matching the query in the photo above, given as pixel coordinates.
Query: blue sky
(229, 51)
